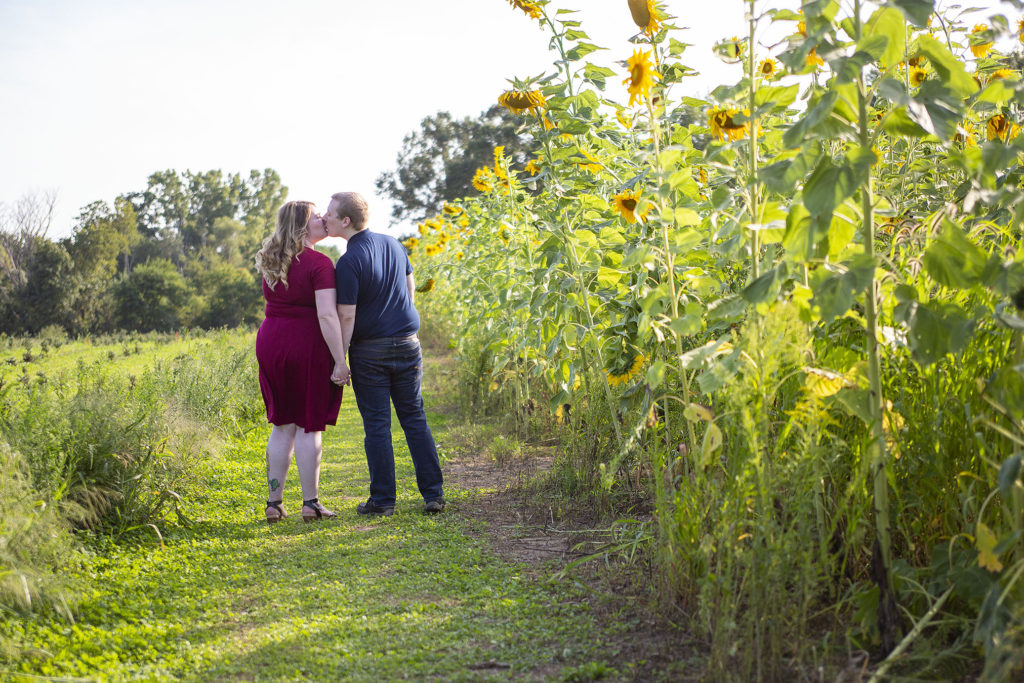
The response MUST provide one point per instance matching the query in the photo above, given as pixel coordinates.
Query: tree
(437, 162)
(102, 235)
(183, 213)
(230, 295)
(154, 296)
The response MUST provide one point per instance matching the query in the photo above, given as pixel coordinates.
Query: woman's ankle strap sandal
(275, 513)
(313, 511)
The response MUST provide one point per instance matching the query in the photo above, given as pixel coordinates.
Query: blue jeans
(386, 371)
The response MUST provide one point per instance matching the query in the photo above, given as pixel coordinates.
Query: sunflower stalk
(888, 609)
(752, 185)
(673, 294)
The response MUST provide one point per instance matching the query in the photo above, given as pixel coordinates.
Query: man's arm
(411, 282)
(347, 316)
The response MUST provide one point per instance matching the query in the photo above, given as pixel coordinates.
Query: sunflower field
(785, 319)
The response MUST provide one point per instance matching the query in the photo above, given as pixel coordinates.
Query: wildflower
(646, 15)
(636, 365)
(917, 76)
(998, 128)
(813, 59)
(529, 8)
(979, 49)
(519, 101)
(426, 286)
(768, 68)
(641, 76)
(589, 162)
(1000, 74)
(723, 124)
(531, 167)
(483, 179)
(625, 203)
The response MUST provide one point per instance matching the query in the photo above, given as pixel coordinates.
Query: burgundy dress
(295, 363)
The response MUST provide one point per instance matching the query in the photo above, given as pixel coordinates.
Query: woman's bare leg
(279, 455)
(308, 449)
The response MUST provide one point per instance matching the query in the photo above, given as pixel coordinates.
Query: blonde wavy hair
(289, 238)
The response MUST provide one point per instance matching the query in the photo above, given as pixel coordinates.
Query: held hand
(341, 375)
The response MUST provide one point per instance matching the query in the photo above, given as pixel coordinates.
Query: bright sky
(98, 95)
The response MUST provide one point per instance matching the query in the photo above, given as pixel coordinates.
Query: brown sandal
(313, 511)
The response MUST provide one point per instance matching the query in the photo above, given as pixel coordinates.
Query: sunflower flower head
(731, 50)
(768, 68)
(519, 101)
(966, 136)
(588, 162)
(999, 128)
(531, 9)
(801, 28)
(483, 179)
(722, 122)
(917, 76)
(452, 210)
(979, 45)
(624, 375)
(625, 203)
(1020, 30)
(813, 59)
(646, 15)
(641, 76)
(1000, 74)
(410, 243)
(426, 286)
(531, 167)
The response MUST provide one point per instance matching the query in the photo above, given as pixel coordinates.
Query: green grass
(232, 598)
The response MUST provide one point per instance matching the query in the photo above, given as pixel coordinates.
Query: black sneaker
(368, 508)
(432, 507)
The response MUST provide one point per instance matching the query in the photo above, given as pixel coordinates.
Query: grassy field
(231, 598)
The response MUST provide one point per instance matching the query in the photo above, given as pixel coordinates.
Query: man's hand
(341, 374)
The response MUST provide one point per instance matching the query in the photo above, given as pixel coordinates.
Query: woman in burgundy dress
(300, 354)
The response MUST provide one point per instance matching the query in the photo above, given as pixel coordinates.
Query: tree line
(180, 252)
(176, 254)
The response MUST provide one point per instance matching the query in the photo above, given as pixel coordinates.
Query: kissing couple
(317, 313)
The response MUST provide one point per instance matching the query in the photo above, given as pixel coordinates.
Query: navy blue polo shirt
(372, 275)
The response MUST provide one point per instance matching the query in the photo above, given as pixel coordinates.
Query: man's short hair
(353, 206)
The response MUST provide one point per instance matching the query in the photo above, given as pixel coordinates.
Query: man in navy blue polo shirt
(378, 326)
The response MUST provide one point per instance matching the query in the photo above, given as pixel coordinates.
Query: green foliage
(154, 296)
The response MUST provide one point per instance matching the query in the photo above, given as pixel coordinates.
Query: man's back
(373, 276)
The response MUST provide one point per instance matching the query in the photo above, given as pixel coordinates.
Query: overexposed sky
(96, 95)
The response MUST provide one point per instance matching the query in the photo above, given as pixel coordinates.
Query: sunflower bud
(641, 13)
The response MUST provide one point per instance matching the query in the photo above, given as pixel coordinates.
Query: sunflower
(589, 162)
(641, 76)
(452, 210)
(768, 68)
(813, 59)
(531, 167)
(410, 243)
(917, 76)
(731, 50)
(646, 15)
(915, 61)
(723, 124)
(999, 74)
(998, 128)
(636, 365)
(459, 256)
(426, 286)
(483, 179)
(801, 28)
(625, 203)
(978, 48)
(519, 101)
(531, 9)
(965, 135)
(702, 175)
(1020, 30)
